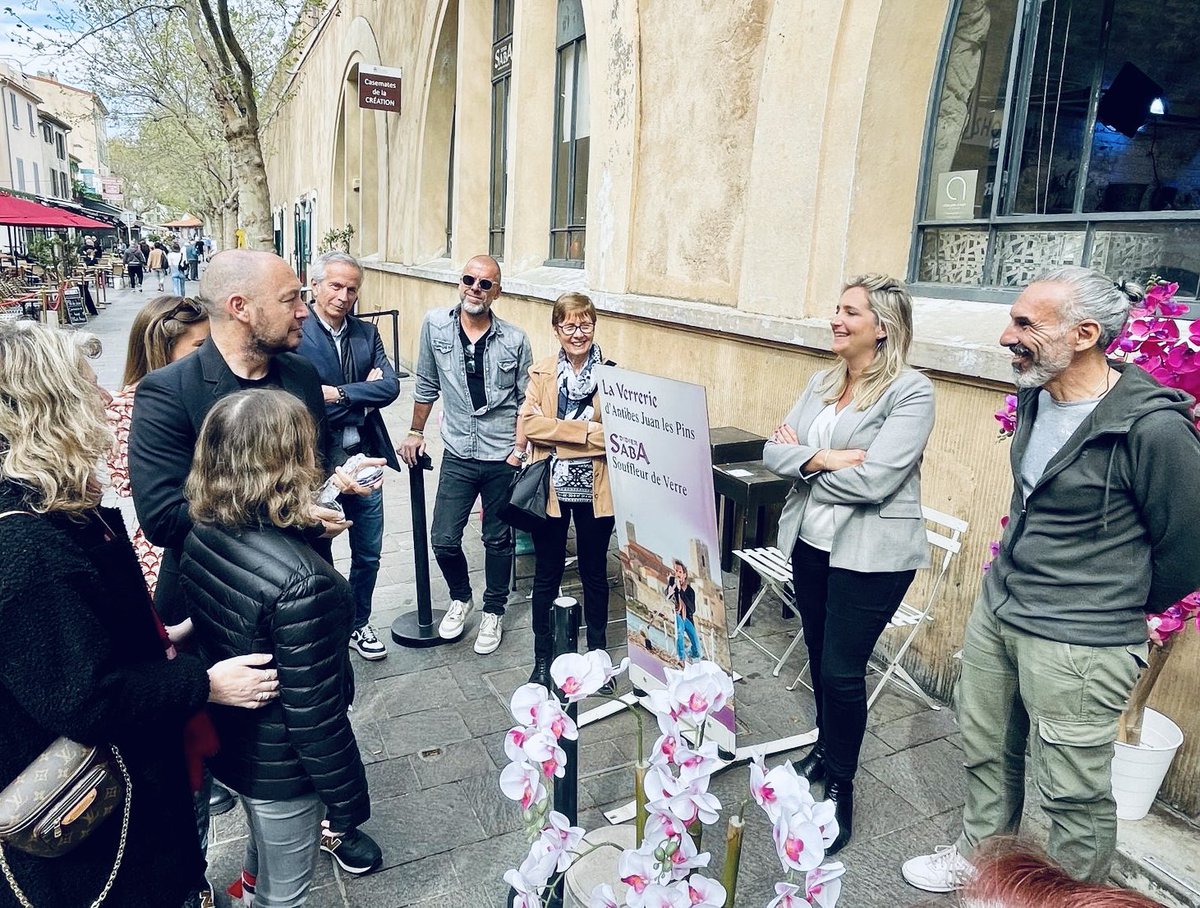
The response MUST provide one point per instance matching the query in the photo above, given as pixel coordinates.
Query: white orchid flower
(657, 896)
(788, 895)
(540, 863)
(637, 869)
(697, 764)
(823, 886)
(603, 897)
(779, 791)
(542, 748)
(522, 782)
(528, 895)
(702, 892)
(551, 717)
(563, 836)
(525, 702)
(798, 842)
(578, 677)
(514, 742)
(686, 858)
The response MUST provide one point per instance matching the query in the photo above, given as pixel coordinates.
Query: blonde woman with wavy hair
(252, 583)
(83, 653)
(853, 443)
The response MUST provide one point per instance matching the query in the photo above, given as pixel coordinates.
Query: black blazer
(366, 351)
(168, 409)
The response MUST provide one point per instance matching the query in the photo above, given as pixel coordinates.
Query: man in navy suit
(356, 380)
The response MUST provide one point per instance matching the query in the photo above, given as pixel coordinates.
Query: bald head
(247, 273)
(483, 263)
(480, 285)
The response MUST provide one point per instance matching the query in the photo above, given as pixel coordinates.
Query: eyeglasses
(581, 328)
(481, 282)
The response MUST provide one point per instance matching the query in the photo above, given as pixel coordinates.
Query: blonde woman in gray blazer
(853, 444)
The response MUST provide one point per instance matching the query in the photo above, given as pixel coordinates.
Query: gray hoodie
(1111, 532)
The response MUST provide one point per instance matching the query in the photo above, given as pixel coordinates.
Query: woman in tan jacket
(561, 418)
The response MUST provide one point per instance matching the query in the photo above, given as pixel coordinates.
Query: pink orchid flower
(656, 896)
(526, 701)
(528, 895)
(551, 717)
(778, 791)
(799, 842)
(522, 783)
(580, 676)
(823, 886)
(603, 897)
(702, 892)
(637, 870)
(562, 837)
(788, 895)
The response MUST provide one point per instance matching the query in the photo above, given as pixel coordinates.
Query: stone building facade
(712, 171)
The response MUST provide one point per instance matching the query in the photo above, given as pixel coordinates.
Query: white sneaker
(488, 638)
(456, 616)
(943, 871)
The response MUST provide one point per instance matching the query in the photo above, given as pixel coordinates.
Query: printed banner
(660, 469)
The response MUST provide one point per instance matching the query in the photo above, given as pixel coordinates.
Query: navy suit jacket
(364, 399)
(169, 407)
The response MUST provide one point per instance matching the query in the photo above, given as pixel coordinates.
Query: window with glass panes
(1062, 132)
(572, 131)
(502, 46)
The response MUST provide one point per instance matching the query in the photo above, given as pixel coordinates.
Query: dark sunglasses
(187, 311)
(482, 283)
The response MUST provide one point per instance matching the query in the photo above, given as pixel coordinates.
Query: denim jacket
(442, 370)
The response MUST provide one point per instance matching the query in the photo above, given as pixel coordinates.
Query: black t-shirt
(270, 380)
(473, 355)
(689, 600)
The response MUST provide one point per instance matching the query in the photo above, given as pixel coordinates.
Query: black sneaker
(220, 800)
(364, 642)
(355, 851)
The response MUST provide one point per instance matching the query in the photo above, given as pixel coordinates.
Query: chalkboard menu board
(76, 313)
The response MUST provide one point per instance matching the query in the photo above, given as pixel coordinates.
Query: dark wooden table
(731, 445)
(750, 489)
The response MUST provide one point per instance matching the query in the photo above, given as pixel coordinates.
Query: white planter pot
(1138, 772)
(598, 867)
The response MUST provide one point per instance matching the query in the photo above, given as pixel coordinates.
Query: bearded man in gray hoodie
(1100, 533)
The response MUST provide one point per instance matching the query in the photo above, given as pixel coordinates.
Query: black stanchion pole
(566, 789)
(419, 628)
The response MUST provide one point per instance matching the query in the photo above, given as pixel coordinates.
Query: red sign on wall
(379, 88)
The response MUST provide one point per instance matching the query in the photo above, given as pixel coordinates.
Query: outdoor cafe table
(753, 490)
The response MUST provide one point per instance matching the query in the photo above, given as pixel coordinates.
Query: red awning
(15, 212)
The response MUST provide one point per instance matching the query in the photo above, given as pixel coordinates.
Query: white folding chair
(775, 571)
(946, 539)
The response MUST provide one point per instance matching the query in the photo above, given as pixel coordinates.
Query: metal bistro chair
(775, 571)
(948, 539)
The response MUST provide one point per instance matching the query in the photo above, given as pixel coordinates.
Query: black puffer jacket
(264, 590)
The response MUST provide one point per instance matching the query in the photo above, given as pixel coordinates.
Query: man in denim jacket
(479, 364)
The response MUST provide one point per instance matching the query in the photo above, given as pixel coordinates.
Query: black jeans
(135, 275)
(460, 482)
(844, 612)
(592, 535)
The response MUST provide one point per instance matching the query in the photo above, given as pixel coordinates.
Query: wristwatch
(341, 395)
(522, 456)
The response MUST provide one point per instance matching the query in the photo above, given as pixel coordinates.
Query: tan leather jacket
(564, 437)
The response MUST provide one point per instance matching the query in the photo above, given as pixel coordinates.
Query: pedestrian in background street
(135, 264)
(177, 268)
(478, 364)
(853, 445)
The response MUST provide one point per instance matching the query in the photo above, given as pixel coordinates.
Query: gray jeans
(282, 848)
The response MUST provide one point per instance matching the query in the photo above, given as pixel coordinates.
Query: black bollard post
(419, 628)
(566, 789)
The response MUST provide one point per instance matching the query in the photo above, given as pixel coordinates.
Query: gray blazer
(878, 518)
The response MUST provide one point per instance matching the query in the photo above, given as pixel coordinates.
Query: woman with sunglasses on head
(82, 654)
(561, 418)
(852, 523)
(253, 583)
(166, 329)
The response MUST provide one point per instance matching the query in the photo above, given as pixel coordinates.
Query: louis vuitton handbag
(59, 800)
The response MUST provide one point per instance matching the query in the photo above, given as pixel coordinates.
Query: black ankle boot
(842, 795)
(812, 767)
(541, 671)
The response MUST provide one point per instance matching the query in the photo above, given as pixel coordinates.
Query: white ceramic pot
(598, 867)
(1138, 772)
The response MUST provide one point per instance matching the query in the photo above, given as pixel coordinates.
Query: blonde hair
(255, 462)
(53, 430)
(569, 304)
(891, 305)
(156, 330)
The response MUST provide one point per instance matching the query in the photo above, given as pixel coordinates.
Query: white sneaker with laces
(456, 616)
(488, 638)
(943, 871)
(364, 642)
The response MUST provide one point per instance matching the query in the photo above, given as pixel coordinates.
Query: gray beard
(1038, 372)
(473, 308)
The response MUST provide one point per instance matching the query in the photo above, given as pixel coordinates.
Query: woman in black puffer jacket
(253, 584)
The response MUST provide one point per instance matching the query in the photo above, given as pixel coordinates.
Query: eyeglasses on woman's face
(572, 328)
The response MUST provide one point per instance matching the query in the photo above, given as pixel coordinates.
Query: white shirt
(817, 525)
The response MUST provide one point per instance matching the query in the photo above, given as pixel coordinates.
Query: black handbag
(528, 496)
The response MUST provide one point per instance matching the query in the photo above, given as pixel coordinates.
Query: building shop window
(59, 146)
(502, 46)
(37, 179)
(303, 225)
(47, 134)
(20, 175)
(572, 131)
(32, 119)
(1060, 135)
(16, 116)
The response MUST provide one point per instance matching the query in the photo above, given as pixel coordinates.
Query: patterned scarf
(573, 476)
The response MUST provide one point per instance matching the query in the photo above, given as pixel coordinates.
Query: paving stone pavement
(430, 725)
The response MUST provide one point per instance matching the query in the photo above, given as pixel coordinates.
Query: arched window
(572, 131)
(1061, 135)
